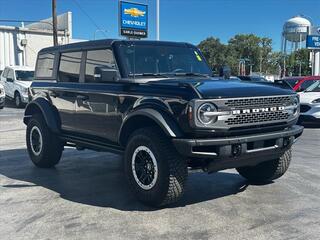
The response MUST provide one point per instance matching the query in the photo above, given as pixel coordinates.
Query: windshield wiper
(148, 75)
(192, 74)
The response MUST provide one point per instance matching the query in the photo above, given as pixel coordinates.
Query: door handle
(82, 97)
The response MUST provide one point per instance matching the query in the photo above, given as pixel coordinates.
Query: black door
(64, 94)
(97, 106)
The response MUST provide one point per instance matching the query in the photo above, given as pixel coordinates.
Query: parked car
(253, 78)
(156, 104)
(310, 103)
(16, 81)
(299, 84)
(2, 96)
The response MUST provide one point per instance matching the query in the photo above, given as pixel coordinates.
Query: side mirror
(104, 74)
(9, 79)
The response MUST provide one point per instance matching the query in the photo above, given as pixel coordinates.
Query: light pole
(158, 21)
(54, 23)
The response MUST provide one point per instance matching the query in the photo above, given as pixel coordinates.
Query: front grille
(255, 118)
(259, 102)
(304, 108)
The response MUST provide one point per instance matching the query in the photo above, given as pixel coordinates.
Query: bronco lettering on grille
(258, 110)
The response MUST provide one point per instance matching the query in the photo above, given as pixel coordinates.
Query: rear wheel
(267, 171)
(155, 171)
(44, 147)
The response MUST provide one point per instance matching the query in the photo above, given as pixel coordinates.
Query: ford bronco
(157, 104)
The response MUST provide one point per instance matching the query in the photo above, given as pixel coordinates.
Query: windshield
(24, 75)
(315, 87)
(292, 82)
(146, 60)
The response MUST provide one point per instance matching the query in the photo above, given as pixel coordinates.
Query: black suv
(157, 104)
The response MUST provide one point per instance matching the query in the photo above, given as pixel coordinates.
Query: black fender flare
(49, 113)
(163, 120)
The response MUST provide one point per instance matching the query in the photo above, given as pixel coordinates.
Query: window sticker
(198, 56)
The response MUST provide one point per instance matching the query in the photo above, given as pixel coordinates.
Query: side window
(5, 73)
(10, 74)
(69, 68)
(306, 84)
(100, 66)
(45, 65)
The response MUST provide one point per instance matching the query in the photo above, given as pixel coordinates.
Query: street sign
(313, 42)
(133, 19)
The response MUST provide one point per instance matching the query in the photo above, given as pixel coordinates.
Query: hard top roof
(107, 43)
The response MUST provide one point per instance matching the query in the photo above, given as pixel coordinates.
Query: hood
(211, 88)
(25, 84)
(308, 97)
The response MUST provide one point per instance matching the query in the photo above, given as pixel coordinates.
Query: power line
(88, 16)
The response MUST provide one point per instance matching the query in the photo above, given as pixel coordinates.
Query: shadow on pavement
(97, 179)
(310, 125)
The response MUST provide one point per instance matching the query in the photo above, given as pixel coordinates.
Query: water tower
(295, 31)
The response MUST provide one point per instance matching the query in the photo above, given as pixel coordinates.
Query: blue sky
(181, 20)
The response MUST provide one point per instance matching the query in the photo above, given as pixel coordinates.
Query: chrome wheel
(144, 167)
(36, 140)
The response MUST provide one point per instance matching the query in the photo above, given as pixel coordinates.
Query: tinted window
(142, 59)
(69, 68)
(292, 82)
(306, 84)
(24, 75)
(98, 64)
(45, 65)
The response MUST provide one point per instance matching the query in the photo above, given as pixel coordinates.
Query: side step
(82, 143)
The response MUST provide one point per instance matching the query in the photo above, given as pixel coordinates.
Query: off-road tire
(52, 146)
(172, 168)
(267, 171)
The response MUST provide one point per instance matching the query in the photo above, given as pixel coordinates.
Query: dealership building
(20, 45)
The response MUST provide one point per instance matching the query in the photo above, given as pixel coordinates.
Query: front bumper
(312, 114)
(231, 152)
(25, 98)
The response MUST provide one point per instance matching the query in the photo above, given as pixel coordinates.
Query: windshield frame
(125, 73)
(23, 80)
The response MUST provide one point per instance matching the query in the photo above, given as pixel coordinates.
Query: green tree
(214, 51)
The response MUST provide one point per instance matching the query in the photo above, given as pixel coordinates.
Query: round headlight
(203, 115)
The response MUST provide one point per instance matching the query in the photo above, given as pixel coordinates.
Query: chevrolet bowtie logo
(258, 110)
(134, 12)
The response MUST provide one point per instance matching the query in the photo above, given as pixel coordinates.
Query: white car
(310, 103)
(2, 96)
(16, 81)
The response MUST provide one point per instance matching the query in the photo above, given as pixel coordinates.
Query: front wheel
(267, 171)
(155, 171)
(44, 147)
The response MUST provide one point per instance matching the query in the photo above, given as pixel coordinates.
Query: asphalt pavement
(86, 197)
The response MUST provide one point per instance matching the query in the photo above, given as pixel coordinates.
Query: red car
(301, 83)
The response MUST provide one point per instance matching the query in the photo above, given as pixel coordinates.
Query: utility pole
(158, 20)
(54, 23)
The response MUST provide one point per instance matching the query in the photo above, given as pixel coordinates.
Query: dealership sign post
(313, 42)
(133, 19)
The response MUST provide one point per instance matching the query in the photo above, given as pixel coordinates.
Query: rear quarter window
(45, 65)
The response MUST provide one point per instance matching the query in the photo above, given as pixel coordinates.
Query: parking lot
(86, 197)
